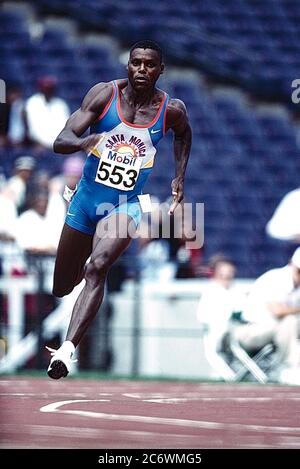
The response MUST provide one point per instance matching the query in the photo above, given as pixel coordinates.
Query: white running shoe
(60, 363)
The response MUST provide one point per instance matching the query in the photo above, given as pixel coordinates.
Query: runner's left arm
(178, 121)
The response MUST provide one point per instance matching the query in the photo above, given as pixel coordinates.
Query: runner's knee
(65, 282)
(61, 290)
(97, 269)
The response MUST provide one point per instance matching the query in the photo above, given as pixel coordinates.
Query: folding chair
(232, 363)
(256, 364)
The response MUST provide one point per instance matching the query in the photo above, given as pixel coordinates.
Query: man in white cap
(273, 312)
(284, 224)
(17, 184)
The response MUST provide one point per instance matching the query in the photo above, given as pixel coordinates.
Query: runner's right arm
(69, 140)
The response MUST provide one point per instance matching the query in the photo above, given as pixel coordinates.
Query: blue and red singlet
(118, 166)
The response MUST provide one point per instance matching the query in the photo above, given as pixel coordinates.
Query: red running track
(74, 413)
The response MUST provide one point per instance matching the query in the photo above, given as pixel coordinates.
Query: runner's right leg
(73, 251)
(105, 251)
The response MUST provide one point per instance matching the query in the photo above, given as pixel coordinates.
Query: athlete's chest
(139, 115)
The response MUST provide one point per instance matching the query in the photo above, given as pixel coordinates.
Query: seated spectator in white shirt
(8, 214)
(35, 232)
(218, 302)
(273, 311)
(46, 114)
(17, 184)
(285, 222)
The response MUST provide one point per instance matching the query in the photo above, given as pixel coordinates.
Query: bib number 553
(116, 176)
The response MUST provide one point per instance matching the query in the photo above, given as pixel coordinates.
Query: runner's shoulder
(176, 112)
(98, 96)
(176, 106)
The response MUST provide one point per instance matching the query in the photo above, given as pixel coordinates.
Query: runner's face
(144, 68)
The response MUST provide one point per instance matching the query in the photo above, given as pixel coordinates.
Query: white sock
(68, 347)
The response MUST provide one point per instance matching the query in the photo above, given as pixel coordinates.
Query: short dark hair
(148, 45)
(219, 258)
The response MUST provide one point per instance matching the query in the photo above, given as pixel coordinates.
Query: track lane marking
(56, 407)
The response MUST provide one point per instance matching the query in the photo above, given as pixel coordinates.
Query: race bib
(145, 203)
(118, 170)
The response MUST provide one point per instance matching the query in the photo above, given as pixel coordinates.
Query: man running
(127, 118)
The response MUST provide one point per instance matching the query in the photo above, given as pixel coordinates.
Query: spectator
(217, 304)
(56, 206)
(162, 240)
(35, 233)
(285, 222)
(46, 114)
(218, 296)
(17, 184)
(273, 311)
(154, 249)
(8, 214)
(72, 172)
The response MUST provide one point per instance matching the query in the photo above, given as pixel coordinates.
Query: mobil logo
(125, 154)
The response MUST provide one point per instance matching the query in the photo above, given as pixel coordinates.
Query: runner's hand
(177, 193)
(92, 141)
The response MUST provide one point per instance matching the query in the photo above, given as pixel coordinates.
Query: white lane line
(84, 432)
(41, 394)
(176, 400)
(51, 430)
(166, 399)
(55, 407)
